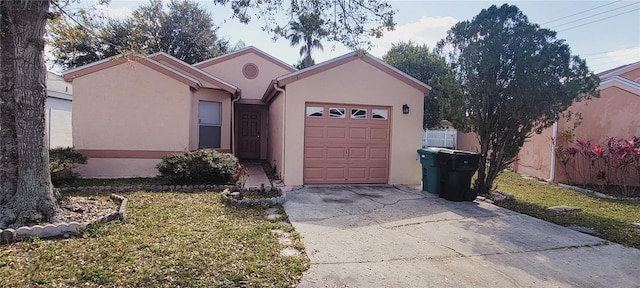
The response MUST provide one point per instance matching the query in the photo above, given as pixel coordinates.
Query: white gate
(440, 138)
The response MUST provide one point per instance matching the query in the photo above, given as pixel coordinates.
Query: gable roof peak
(349, 57)
(243, 51)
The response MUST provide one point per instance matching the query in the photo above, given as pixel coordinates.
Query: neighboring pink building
(336, 122)
(614, 114)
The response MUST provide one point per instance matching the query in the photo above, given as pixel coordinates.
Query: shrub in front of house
(61, 164)
(204, 166)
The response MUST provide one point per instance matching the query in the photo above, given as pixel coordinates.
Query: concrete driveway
(383, 236)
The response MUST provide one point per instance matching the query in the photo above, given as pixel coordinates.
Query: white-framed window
(337, 112)
(382, 114)
(315, 111)
(210, 124)
(358, 113)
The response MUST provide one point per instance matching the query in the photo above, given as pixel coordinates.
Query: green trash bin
(430, 170)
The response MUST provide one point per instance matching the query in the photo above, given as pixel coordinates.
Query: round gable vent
(250, 70)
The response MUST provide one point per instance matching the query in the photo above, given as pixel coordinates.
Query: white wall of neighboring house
(58, 112)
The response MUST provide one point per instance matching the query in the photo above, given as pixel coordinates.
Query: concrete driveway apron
(384, 236)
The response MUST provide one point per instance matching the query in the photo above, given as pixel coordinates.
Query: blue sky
(607, 36)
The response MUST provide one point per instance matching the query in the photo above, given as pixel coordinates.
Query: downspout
(233, 121)
(552, 172)
(284, 120)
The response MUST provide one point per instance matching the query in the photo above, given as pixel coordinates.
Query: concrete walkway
(257, 176)
(382, 236)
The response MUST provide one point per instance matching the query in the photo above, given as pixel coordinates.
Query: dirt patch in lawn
(82, 209)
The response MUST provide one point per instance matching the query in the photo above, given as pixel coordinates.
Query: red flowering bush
(613, 162)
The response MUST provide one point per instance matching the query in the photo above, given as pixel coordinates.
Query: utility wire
(626, 54)
(605, 52)
(578, 13)
(597, 14)
(598, 20)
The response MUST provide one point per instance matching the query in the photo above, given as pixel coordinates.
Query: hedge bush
(204, 166)
(61, 164)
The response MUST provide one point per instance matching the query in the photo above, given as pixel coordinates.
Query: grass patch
(85, 182)
(611, 219)
(166, 240)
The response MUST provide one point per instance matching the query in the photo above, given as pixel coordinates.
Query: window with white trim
(210, 124)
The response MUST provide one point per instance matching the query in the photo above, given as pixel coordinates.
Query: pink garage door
(346, 143)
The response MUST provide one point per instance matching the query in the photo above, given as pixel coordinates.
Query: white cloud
(428, 30)
(612, 59)
(624, 55)
(119, 12)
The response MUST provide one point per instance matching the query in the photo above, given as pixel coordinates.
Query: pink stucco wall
(276, 143)
(231, 71)
(130, 107)
(633, 75)
(535, 157)
(357, 82)
(137, 114)
(468, 142)
(614, 114)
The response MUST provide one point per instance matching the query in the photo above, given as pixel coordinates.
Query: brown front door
(249, 135)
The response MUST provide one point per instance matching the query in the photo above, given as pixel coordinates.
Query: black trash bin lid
(457, 152)
(432, 150)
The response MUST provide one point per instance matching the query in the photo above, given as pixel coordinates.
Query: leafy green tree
(348, 22)
(185, 31)
(420, 63)
(513, 78)
(308, 31)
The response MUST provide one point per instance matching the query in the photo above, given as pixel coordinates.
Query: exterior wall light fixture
(405, 109)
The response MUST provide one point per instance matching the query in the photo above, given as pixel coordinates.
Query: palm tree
(308, 31)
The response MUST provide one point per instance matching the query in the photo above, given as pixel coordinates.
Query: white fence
(440, 138)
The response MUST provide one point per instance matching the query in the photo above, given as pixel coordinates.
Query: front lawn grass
(611, 219)
(166, 240)
(86, 182)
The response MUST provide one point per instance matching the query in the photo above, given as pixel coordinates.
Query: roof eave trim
(173, 73)
(622, 83)
(620, 70)
(271, 91)
(226, 86)
(373, 61)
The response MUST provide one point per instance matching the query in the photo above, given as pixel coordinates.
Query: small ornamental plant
(198, 167)
(614, 161)
(242, 175)
(62, 161)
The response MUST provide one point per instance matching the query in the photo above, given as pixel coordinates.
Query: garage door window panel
(358, 113)
(381, 114)
(337, 112)
(315, 112)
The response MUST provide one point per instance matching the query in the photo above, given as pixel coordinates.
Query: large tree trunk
(26, 193)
